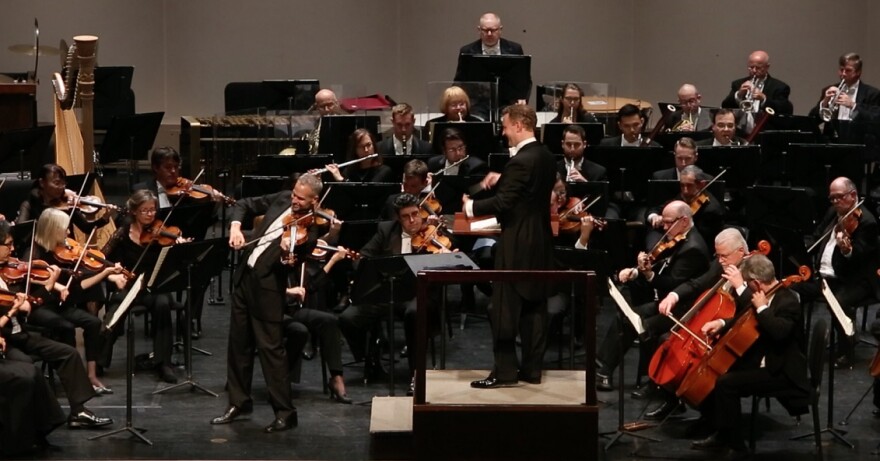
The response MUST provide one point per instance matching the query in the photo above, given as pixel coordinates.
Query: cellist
(685, 259)
(776, 362)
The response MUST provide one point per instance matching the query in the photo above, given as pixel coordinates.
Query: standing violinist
(730, 250)
(774, 363)
(655, 275)
(708, 212)
(259, 300)
(846, 257)
(126, 247)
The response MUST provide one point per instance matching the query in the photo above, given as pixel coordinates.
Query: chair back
(818, 343)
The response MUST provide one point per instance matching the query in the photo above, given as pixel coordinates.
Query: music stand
(359, 200)
(580, 260)
(591, 189)
(277, 165)
(336, 129)
(816, 165)
(356, 234)
(479, 137)
(551, 134)
(133, 135)
(774, 149)
(25, 150)
(288, 95)
(668, 140)
(784, 215)
(193, 219)
(739, 161)
(662, 191)
(255, 186)
(186, 265)
(452, 187)
(628, 166)
(113, 94)
(510, 73)
(396, 162)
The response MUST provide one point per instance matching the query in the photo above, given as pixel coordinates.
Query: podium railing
(427, 278)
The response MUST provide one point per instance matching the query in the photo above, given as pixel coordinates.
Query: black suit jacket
(473, 166)
(385, 242)
(272, 275)
(860, 266)
(385, 147)
(777, 93)
(522, 205)
(867, 110)
(668, 174)
(616, 140)
(590, 170)
(688, 259)
(476, 47)
(689, 291)
(709, 141)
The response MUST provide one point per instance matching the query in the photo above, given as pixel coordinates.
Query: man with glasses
(490, 43)
(692, 116)
(454, 151)
(760, 88)
(845, 256)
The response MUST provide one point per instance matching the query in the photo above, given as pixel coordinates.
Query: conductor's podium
(550, 420)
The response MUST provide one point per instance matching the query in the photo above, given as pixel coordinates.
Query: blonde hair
(454, 93)
(48, 224)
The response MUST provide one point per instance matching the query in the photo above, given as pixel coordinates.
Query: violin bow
(429, 194)
(81, 255)
(82, 188)
(706, 187)
(831, 228)
(587, 207)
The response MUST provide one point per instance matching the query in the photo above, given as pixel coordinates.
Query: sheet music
(630, 314)
(126, 302)
(485, 224)
(162, 253)
(842, 318)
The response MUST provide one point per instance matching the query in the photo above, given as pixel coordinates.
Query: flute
(344, 164)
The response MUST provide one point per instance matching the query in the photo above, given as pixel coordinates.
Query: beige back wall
(185, 52)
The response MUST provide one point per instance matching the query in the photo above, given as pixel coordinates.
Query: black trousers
(325, 327)
(66, 362)
(249, 334)
(511, 314)
(64, 320)
(725, 410)
(159, 305)
(620, 337)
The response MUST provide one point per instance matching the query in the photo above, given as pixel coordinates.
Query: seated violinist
(165, 162)
(127, 245)
(708, 211)
(62, 357)
(680, 256)
(774, 363)
(408, 234)
(60, 311)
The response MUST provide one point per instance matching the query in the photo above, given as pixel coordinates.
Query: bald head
(689, 98)
(326, 102)
(759, 64)
(490, 29)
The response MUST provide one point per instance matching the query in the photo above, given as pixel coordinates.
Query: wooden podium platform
(550, 420)
(18, 107)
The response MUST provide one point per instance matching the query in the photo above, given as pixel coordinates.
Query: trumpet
(827, 113)
(343, 164)
(748, 103)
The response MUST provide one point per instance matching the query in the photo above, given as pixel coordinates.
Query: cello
(701, 379)
(682, 350)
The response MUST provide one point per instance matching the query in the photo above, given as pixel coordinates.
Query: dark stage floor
(177, 422)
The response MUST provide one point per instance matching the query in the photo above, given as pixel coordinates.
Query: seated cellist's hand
(733, 275)
(712, 328)
(759, 299)
(667, 304)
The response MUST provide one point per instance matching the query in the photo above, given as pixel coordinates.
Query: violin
(296, 228)
(324, 216)
(663, 246)
(15, 270)
(89, 204)
(160, 235)
(430, 240)
(571, 213)
(196, 191)
(322, 250)
(848, 223)
(7, 299)
(95, 260)
(702, 197)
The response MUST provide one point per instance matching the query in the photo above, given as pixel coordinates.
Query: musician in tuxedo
(522, 207)
(402, 141)
(709, 215)
(760, 87)
(724, 126)
(630, 123)
(454, 150)
(857, 104)
(692, 116)
(685, 153)
(416, 181)
(847, 261)
(258, 301)
(165, 164)
(491, 43)
(574, 167)
(776, 362)
(684, 260)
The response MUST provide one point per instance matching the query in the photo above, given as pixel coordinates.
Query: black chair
(815, 354)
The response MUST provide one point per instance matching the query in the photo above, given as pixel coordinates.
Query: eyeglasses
(837, 197)
(456, 149)
(147, 212)
(9, 244)
(488, 30)
(689, 101)
(572, 98)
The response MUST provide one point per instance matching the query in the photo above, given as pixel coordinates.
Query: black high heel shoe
(335, 395)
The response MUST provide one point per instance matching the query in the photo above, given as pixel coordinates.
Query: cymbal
(28, 50)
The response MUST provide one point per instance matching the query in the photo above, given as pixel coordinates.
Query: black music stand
(479, 137)
(184, 266)
(359, 200)
(133, 135)
(396, 163)
(774, 151)
(816, 165)
(591, 189)
(628, 167)
(15, 191)
(551, 134)
(336, 129)
(193, 219)
(739, 161)
(662, 191)
(783, 215)
(510, 73)
(25, 150)
(255, 186)
(278, 165)
(356, 234)
(113, 94)
(668, 140)
(288, 95)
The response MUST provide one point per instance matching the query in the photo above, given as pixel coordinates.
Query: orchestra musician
(258, 301)
(416, 181)
(687, 258)
(708, 211)
(851, 105)
(360, 145)
(522, 207)
(455, 106)
(846, 257)
(685, 153)
(723, 130)
(759, 87)
(630, 123)
(692, 116)
(454, 149)
(571, 107)
(574, 167)
(402, 141)
(63, 358)
(125, 247)
(875, 331)
(776, 362)
(326, 103)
